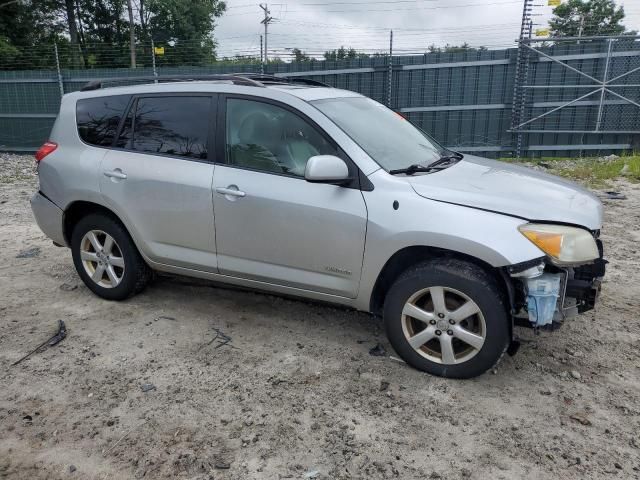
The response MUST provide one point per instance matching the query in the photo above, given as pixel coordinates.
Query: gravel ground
(242, 385)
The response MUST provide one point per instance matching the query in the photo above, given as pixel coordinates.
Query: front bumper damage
(578, 292)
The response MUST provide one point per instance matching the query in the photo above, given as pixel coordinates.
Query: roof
(310, 94)
(304, 89)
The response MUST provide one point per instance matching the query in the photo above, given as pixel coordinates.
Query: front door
(271, 224)
(158, 179)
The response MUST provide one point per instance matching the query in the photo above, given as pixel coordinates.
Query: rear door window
(98, 118)
(176, 126)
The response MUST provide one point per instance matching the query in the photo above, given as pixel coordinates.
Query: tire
(124, 273)
(414, 305)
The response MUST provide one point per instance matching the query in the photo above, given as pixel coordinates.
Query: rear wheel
(106, 258)
(446, 317)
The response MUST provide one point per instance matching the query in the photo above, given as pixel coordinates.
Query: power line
(441, 7)
(360, 3)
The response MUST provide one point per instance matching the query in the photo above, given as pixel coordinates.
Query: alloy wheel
(102, 258)
(443, 325)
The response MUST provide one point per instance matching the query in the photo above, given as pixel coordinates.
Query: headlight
(565, 245)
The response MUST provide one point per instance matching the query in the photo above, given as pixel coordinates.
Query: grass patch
(595, 172)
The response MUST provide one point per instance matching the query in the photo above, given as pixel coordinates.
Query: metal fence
(566, 98)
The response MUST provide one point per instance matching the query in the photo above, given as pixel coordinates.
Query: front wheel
(446, 317)
(106, 258)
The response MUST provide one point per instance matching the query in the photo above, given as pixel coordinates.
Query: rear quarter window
(98, 118)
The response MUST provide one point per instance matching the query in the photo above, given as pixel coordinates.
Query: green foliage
(100, 32)
(239, 60)
(300, 56)
(27, 23)
(575, 18)
(465, 47)
(8, 53)
(184, 27)
(595, 172)
(343, 54)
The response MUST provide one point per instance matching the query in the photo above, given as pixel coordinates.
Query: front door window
(268, 138)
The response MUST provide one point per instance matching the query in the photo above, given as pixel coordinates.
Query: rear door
(158, 178)
(271, 224)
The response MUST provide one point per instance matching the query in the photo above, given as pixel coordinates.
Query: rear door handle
(117, 173)
(231, 190)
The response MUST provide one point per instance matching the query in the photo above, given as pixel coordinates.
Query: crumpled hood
(511, 189)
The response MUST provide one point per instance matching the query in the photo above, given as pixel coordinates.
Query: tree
(104, 33)
(186, 26)
(578, 18)
(341, 54)
(300, 56)
(26, 23)
(132, 35)
(27, 33)
(465, 47)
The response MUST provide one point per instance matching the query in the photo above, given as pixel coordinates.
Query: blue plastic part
(542, 298)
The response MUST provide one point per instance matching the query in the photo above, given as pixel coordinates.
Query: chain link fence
(465, 99)
(583, 91)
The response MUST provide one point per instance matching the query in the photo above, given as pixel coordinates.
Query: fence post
(390, 80)
(261, 57)
(153, 60)
(604, 84)
(521, 71)
(60, 82)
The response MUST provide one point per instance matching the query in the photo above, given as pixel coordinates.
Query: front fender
(488, 236)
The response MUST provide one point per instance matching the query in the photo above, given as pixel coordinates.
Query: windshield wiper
(411, 169)
(445, 160)
(451, 153)
(440, 164)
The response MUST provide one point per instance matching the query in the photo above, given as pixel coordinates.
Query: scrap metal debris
(222, 338)
(581, 418)
(29, 253)
(378, 351)
(106, 452)
(60, 335)
(615, 196)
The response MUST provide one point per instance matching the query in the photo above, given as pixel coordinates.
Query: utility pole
(267, 19)
(132, 35)
(261, 58)
(390, 79)
(581, 28)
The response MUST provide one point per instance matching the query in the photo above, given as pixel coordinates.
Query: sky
(315, 26)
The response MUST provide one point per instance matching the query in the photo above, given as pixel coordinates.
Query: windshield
(388, 138)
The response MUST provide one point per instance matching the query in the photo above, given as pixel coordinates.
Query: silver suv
(299, 189)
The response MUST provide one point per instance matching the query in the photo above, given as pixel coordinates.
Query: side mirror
(326, 169)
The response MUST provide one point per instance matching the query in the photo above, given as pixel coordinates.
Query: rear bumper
(49, 218)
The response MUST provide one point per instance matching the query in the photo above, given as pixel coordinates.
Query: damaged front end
(544, 294)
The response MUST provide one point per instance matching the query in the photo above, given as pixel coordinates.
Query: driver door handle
(233, 192)
(117, 173)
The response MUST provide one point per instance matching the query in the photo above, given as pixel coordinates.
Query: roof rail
(265, 78)
(236, 79)
(248, 79)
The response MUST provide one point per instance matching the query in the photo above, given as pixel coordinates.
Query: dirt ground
(252, 386)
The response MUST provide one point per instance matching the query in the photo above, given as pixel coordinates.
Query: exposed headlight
(565, 245)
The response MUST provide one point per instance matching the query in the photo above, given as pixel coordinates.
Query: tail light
(45, 150)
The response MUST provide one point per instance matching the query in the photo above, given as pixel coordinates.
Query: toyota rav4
(292, 187)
